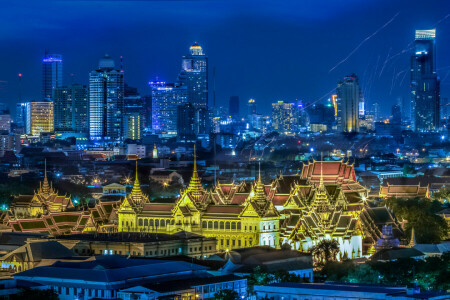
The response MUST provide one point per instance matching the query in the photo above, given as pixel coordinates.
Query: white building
(324, 291)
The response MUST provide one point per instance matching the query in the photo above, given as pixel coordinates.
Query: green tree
(421, 215)
(443, 195)
(226, 295)
(323, 252)
(363, 273)
(337, 271)
(259, 276)
(407, 169)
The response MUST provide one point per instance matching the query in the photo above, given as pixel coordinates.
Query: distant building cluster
(108, 112)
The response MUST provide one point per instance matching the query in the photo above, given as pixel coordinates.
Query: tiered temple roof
(404, 191)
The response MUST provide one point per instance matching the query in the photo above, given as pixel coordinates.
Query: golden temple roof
(195, 187)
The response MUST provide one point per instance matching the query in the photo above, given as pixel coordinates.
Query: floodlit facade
(106, 91)
(283, 117)
(194, 76)
(425, 84)
(166, 97)
(39, 118)
(348, 100)
(324, 202)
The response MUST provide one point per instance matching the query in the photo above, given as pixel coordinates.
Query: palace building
(324, 202)
(48, 212)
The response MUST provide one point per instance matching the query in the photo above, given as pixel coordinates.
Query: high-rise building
(71, 108)
(234, 106)
(133, 114)
(147, 103)
(283, 117)
(106, 91)
(348, 99)
(445, 108)
(425, 85)
(5, 118)
(396, 114)
(165, 99)
(376, 111)
(39, 117)
(186, 122)
(251, 107)
(21, 115)
(52, 75)
(194, 76)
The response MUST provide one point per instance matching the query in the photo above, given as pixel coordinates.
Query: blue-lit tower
(106, 106)
(52, 74)
(425, 85)
(194, 76)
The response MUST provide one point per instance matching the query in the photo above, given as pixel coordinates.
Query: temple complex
(324, 202)
(48, 212)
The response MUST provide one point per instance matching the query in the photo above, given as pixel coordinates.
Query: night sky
(266, 50)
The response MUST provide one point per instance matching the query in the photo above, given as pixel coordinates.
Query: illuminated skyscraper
(39, 117)
(133, 114)
(21, 115)
(425, 85)
(52, 74)
(251, 107)
(106, 105)
(348, 99)
(283, 120)
(71, 108)
(165, 99)
(194, 76)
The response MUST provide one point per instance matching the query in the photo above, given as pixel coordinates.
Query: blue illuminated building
(425, 85)
(194, 76)
(106, 106)
(166, 97)
(52, 74)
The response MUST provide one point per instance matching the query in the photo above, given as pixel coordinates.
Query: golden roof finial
(137, 177)
(412, 241)
(45, 189)
(195, 160)
(136, 193)
(195, 185)
(259, 173)
(321, 169)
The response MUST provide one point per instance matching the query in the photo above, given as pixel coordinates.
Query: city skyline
(254, 37)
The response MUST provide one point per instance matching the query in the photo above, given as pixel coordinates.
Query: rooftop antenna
(321, 168)
(214, 87)
(121, 63)
(20, 87)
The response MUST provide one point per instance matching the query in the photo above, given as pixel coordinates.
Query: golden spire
(45, 189)
(260, 194)
(412, 241)
(195, 186)
(321, 170)
(136, 193)
(259, 173)
(195, 161)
